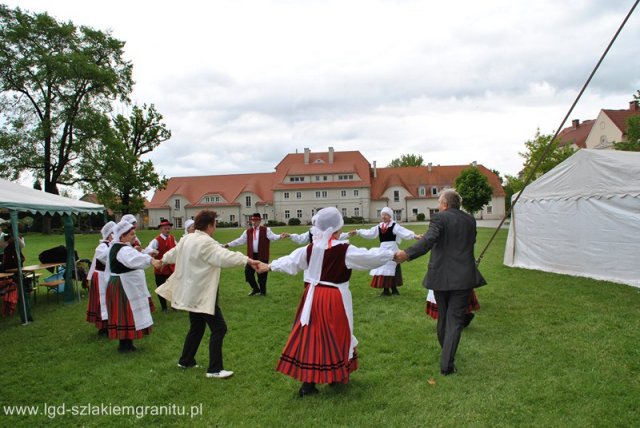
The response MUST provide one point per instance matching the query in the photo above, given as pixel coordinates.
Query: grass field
(544, 350)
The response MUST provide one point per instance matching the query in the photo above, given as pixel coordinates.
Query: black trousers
(218, 328)
(161, 279)
(451, 317)
(250, 277)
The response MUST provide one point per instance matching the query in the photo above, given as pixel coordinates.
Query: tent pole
(71, 260)
(23, 306)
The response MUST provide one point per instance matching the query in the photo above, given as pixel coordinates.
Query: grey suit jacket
(450, 238)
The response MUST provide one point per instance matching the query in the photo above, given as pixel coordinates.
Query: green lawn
(544, 350)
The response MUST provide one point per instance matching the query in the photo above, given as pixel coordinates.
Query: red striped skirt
(472, 306)
(94, 312)
(381, 281)
(120, 323)
(319, 351)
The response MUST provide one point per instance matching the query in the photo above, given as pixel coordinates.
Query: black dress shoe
(385, 292)
(254, 292)
(307, 388)
(395, 291)
(449, 371)
(467, 318)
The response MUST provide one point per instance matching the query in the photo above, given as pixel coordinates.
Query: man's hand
(157, 264)
(352, 232)
(255, 264)
(263, 267)
(400, 256)
(418, 237)
(284, 235)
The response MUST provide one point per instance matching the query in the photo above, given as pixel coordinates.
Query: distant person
(158, 247)
(131, 219)
(128, 300)
(452, 272)
(189, 226)
(321, 347)
(193, 287)
(431, 308)
(3, 245)
(390, 234)
(258, 239)
(97, 313)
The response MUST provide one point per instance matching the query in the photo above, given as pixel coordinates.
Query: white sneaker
(222, 374)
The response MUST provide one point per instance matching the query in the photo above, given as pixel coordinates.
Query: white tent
(581, 218)
(16, 198)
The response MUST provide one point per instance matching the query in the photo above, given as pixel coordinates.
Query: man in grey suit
(452, 272)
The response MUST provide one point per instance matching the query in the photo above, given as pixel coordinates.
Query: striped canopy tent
(17, 198)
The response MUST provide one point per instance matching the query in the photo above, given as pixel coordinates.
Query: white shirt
(243, 238)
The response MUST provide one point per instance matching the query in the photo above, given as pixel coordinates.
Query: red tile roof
(411, 178)
(227, 186)
(576, 134)
(619, 117)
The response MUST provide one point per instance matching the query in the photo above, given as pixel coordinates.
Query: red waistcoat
(164, 245)
(263, 244)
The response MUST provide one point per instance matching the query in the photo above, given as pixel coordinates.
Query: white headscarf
(387, 210)
(187, 225)
(129, 218)
(120, 229)
(107, 229)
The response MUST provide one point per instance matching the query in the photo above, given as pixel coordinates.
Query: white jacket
(193, 286)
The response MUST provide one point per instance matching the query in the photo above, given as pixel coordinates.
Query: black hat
(165, 223)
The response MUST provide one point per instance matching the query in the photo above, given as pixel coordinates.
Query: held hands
(418, 237)
(284, 235)
(400, 256)
(157, 263)
(352, 232)
(263, 267)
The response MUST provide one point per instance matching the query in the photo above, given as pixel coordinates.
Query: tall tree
(535, 150)
(56, 85)
(117, 173)
(407, 160)
(633, 136)
(474, 188)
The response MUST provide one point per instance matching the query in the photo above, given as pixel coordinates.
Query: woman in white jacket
(193, 287)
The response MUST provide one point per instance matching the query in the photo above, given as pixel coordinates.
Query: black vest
(387, 236)
(116, 266)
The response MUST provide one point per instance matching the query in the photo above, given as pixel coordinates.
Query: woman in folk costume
(97, 307)
(131, 219)
(473, 305)
(128, 299)
(390, 233)
(321, 347)
(189, 227)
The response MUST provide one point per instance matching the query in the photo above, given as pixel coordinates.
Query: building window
(232, 218)
(396, 196)
(346, 177)
(422, 191)
(378, 213)
(177, 204)
(177, 222)
(247, 201)
(324, 194)
(343, 193)
(298, 195)
(356, 193)
(324, 178)
(433, 211)
(414, 211)
(296, 179)
(489, 209)
(344, 212)
(434, 191)
(287, 214)
(286, 195)
(265, 217)
(299, 213)
(356, 211)
(321, 195)
(317, 178)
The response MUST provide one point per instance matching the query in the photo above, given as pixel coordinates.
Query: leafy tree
(116, 173)
(407, 160)
(56, 85)
(535, 150)
(474, 188)
(513, 185)
(633, 136)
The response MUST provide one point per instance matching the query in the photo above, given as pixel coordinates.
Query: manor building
(305, 182)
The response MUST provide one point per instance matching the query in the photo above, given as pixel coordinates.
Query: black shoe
(254, 292)
(395, 291)
(103, 332)
(308, 388)
(385, 293)
(165, 310)
(449, 371)
(468, 318)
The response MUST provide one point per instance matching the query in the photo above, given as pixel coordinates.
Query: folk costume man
(97, 307)
(321, 347)
(128, 299)
(158, 247)
(194, 287)
(390, 234)
(258, 239)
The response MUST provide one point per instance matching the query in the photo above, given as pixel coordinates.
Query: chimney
(429, 165)
(474, 164)
(375, 170)
(330, 155)
(306, 155)
(575, 123)
(633, 105)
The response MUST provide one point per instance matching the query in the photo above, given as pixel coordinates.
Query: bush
(293, 221)
(227, 224)
(353, 220)
(420, 217)
(274, 223)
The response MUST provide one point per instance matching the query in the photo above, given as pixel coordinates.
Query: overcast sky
(241, 83)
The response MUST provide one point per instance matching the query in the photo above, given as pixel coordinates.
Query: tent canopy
(24, 199)
(581, 218)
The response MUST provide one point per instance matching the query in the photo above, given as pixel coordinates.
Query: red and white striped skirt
(381, 281)
(121, 324)
(472, 306)
(319, 351)
(94, 312)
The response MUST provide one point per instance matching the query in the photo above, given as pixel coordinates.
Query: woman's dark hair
(204, 219)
